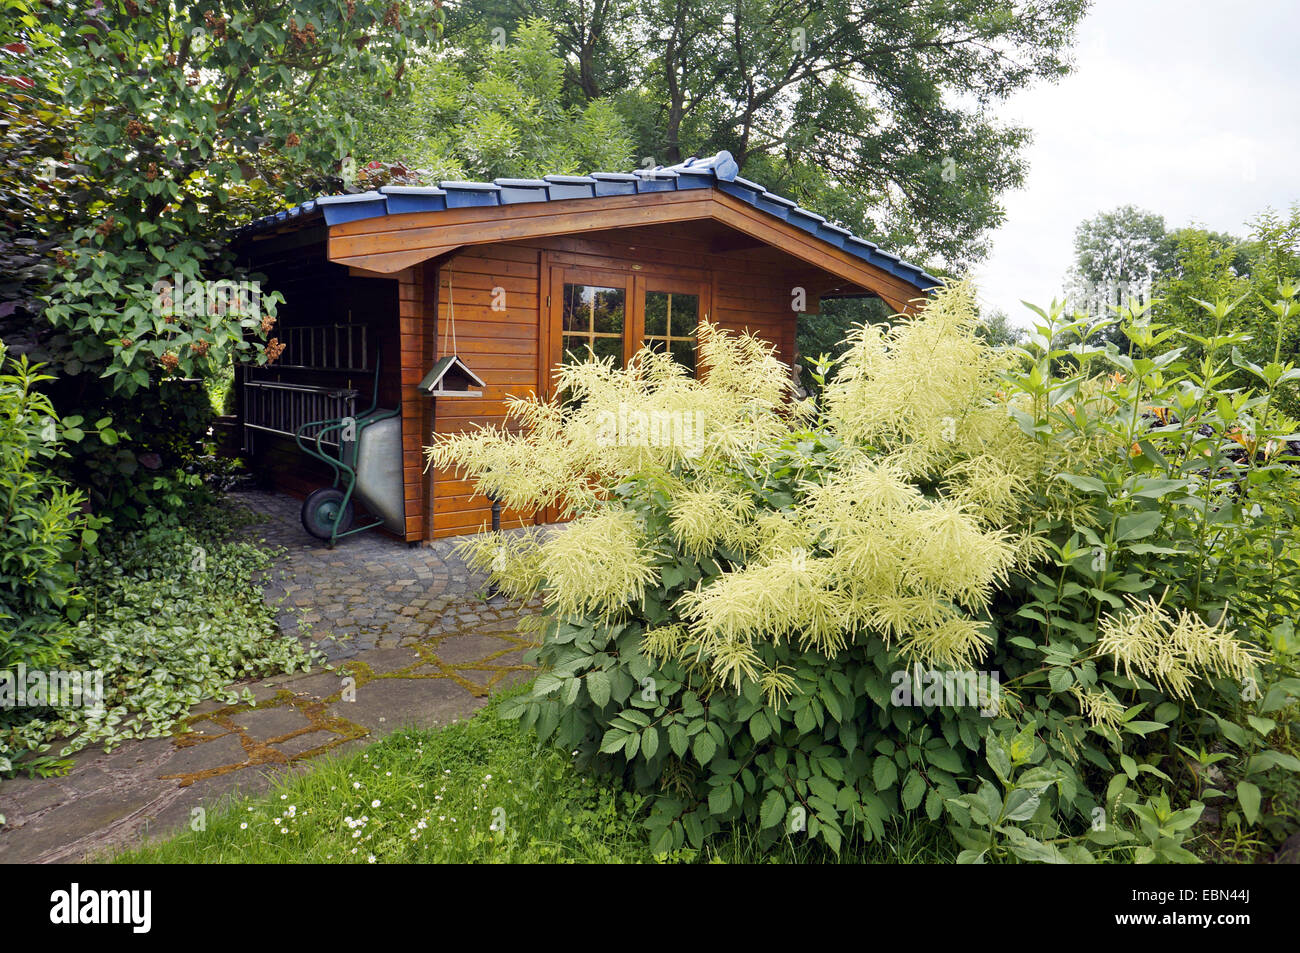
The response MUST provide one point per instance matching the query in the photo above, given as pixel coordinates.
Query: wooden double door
(613, 314)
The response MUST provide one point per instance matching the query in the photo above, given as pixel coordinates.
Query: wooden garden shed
(381, 287)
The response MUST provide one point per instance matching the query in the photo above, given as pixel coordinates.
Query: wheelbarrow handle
(326, 425)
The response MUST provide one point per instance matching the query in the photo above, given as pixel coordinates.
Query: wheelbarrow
(367, 467)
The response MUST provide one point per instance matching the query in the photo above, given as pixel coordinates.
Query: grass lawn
(479, 791)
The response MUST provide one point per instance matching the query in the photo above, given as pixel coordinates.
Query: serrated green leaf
(913, 790)
(598, 687)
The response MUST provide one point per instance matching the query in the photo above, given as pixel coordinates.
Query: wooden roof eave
(390, 243)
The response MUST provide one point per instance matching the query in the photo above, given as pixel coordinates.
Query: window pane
(670, 322)
(685, 313)
(656, 313)
(684, 352)
(577, 317)
(608, 310)
(593, 318)
(575, 348)
(609, 347)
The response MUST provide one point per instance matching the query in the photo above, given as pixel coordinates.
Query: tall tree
(154, 126)
(491, 107)
(1117, 255)
(877, 111)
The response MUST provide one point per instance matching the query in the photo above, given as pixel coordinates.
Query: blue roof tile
(571, 187)
(719, 171)
(414, 198)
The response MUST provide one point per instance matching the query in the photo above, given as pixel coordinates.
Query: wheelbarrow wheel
(321, 508)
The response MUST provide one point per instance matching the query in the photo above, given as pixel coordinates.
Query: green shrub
(42, 527)
(146, 469)
(174, 615)
(764, 617)
(1189, 521)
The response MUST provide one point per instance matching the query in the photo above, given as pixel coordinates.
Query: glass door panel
(593, 319)
(670, 321)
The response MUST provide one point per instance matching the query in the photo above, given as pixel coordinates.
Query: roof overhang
(390, 243)
(388, 230)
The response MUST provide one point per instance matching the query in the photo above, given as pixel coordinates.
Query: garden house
(439, 302)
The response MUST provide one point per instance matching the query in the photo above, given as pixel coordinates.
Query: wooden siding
(746, 290)
(500, 346)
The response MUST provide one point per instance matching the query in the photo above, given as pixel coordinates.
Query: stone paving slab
(389, 667)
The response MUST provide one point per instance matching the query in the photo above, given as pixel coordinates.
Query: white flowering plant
(765, 626)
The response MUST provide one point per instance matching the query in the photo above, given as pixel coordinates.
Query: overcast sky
(1185, 107)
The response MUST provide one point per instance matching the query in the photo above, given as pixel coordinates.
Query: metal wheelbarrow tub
(379, 472)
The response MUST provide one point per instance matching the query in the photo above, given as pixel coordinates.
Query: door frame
(552, 330)
(635, 284)
(701, 288)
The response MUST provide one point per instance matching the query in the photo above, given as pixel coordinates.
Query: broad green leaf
(772, 811)
(705, 748)
(913, 790)
(598, 687)
(884, 773)
(1137, 525)
(1249, 797)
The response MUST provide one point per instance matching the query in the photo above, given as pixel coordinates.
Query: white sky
(1188, 108)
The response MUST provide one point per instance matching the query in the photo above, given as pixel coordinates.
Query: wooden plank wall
(749, 291)
(411, 359)
(501, 346)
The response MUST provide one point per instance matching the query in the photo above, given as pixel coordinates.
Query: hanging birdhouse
(451, 378)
